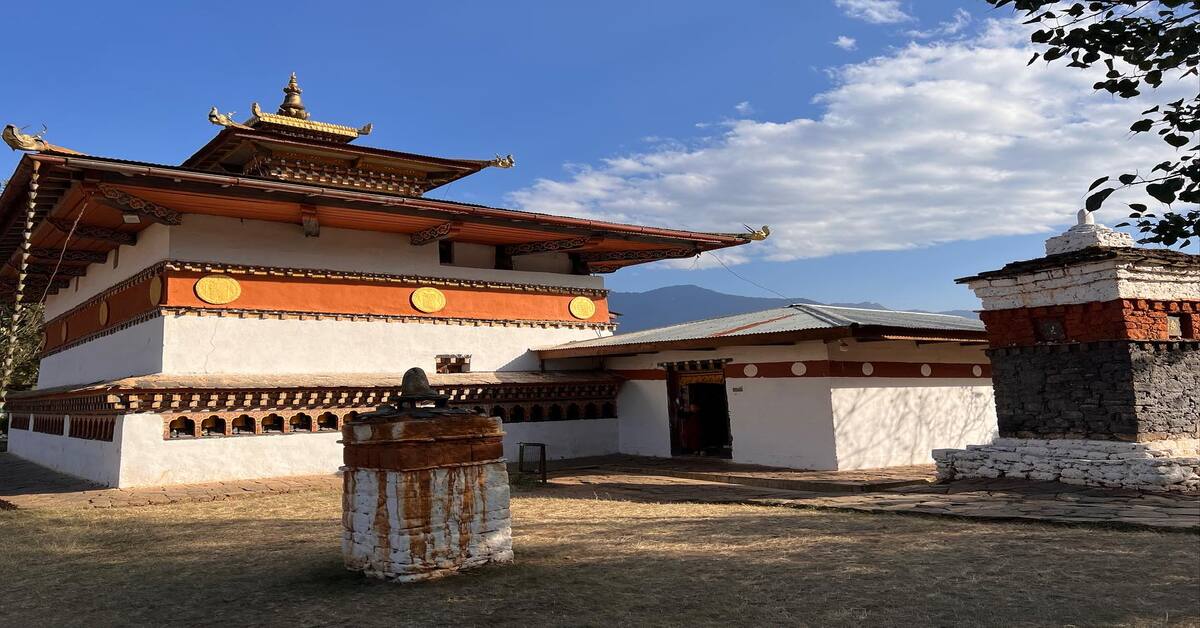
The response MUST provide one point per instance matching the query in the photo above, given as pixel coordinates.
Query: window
(455, 363)
(1179, 326)
(445, 251)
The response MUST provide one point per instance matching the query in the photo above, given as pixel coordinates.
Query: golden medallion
(428, 300)
(62, 332)
(155, 290)
(103, 313)
(582, 308)
(218, 289)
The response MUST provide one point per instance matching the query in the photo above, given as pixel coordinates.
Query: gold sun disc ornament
(103, 313)
(155, 290)
(218, 289)
(428, 300)
(582, 308)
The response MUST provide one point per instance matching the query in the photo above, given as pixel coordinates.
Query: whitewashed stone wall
(1087, 283)
(416, 525)
(1157, 466)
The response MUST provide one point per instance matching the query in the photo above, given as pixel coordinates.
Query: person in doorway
(689, 429)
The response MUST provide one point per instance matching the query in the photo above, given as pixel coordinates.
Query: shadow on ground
(276, 561)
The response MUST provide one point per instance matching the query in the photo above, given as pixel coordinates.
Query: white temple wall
(135, 350)
(262, 243)
(149, 460)
(900, 421)
(95, 460)
(152, 247)
(645, 427)
(783, 422)
(563, 439)
(211, 344)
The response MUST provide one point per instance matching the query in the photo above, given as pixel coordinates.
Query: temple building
(803, 386)
(221, 318)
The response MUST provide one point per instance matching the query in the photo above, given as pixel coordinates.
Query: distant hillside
(680, 304)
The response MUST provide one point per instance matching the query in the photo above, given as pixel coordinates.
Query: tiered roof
(286, 167)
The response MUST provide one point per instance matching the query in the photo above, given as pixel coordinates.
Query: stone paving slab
(725, 471)
(1046, 502)
(26, 485)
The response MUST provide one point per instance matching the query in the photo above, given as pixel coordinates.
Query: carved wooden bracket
(93, 232)
(549, 246)
(70, 255)
(64, 270)
(610, 261)
(308, 218)
(435, 233)
(129, 203)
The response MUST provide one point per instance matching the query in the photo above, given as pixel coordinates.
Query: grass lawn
(584, 561)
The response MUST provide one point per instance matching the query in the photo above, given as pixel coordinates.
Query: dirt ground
(585, 561)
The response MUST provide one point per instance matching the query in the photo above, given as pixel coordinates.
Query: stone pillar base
(1160, 466)
(406, 526)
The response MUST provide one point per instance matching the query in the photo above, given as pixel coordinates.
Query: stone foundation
(415, 525)
(1161, 466)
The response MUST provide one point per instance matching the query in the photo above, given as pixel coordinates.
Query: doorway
(699, 415)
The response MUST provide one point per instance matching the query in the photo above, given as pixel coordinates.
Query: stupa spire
(292, 107)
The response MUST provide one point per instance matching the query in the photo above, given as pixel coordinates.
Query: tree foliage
(25, 343)
(1142, 44)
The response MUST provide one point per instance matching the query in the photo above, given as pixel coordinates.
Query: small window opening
(445, 251)
(213, 426)
(457, 363)
(183, 427)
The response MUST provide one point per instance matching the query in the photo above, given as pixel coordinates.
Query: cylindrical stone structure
(425, 488)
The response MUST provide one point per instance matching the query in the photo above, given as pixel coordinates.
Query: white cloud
(934, 142)
(744, 108)
(953, 26)
(874, 11)
(845, 43)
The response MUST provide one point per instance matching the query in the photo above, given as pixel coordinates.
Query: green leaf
(1178, 141)
(1096, 183)
(1127, 179)
(1141, 126)
(1094, 201)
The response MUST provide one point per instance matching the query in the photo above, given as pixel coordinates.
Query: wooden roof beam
(444, 231)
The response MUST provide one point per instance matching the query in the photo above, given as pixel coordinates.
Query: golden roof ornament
(292, 118)
(757, 234)
(17, 140)
(291, 106)
(506, 161)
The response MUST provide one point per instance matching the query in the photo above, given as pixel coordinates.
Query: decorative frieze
(1122, 319)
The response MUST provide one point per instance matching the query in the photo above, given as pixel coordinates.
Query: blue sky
(628, 111)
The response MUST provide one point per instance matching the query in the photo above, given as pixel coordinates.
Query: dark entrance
(699, 414)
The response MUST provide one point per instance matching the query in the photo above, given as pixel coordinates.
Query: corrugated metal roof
(797, 317)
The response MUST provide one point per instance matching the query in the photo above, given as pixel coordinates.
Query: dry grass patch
(276, 561)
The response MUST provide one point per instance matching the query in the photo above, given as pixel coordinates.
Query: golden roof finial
(292, 107)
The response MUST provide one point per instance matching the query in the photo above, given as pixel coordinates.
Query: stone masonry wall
(1114, 390)
(1165, 466)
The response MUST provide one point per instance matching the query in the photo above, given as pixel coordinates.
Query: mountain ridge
(671, 305)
